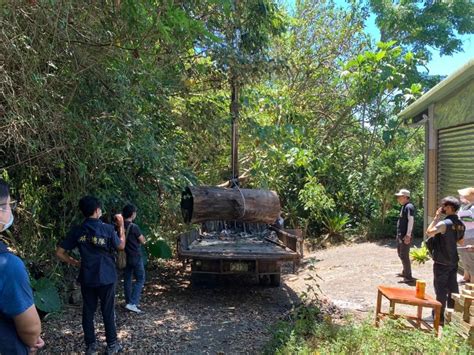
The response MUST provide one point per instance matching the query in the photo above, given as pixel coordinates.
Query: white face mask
(8, 224)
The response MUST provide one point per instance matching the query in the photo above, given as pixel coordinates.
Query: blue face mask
(8, 224)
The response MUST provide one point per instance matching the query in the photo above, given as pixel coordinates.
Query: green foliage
(129, 101)
(325, 337)
(314, 197)
(160, 249)
(336, 223)
(398, 166)
(378, 229)
(423, 24)
(46, 295)
(421, 254)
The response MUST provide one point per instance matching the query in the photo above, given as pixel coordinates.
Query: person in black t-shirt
(443, 237)
(135, 265)
(405, 224)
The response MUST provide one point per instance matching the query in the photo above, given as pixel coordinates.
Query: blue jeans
(134, 268)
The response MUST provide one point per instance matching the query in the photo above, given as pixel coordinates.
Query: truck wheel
(275, 280)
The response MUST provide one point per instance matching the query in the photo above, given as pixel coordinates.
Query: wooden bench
(396, 295)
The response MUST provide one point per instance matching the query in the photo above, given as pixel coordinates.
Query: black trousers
(90, 298)
(445, 283)
(404, 255)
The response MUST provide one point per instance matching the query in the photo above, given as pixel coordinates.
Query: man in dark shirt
(20, 325)
(97, 242)
(443, 237)
(405, 224)
(135, 265)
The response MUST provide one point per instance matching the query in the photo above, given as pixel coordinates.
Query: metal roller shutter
(455, 159)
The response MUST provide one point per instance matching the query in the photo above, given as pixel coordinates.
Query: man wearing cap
(405, 223)
(466, 215)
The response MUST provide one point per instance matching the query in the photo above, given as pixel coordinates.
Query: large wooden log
(207, 203)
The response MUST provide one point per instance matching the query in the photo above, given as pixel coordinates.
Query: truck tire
(275, 280)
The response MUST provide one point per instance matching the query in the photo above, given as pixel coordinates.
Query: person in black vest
(20, 325)
(405, 223)
(97, 243)
(135, 267)
(443, 237)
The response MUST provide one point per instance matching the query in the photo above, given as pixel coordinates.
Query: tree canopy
(132, 101)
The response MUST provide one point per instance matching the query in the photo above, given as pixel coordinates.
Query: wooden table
(407, 296)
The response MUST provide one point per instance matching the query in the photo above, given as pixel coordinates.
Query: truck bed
(242, 246)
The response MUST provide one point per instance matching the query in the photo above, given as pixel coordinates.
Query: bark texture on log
(211, 203)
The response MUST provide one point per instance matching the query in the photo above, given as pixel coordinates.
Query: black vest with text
(443, 247)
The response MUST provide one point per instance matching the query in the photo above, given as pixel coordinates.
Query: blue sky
(439, 65)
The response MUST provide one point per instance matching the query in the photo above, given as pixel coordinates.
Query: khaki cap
(403, 192)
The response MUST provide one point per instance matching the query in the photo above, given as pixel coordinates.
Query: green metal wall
(454, 124)
(456, 109)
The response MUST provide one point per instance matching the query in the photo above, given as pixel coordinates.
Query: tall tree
(242, 30)
(421, 24)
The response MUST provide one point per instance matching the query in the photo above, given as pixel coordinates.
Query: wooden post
(235, 111)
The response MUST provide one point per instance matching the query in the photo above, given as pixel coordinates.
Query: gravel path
(235, 317)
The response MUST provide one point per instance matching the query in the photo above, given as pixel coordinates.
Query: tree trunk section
(210, 203)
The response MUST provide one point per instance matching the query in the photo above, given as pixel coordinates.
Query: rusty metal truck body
(220, 248)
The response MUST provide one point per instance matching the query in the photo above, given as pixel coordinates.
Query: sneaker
(91, 349)
(133, 308)
(114, 348)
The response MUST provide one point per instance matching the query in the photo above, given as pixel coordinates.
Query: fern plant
(420, 255)
(336, 223)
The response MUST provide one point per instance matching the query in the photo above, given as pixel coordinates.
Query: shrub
(336, 223)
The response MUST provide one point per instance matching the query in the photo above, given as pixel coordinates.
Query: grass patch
(309, 332)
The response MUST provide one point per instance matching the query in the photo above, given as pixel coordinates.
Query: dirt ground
(349, 274)
(236, 316)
